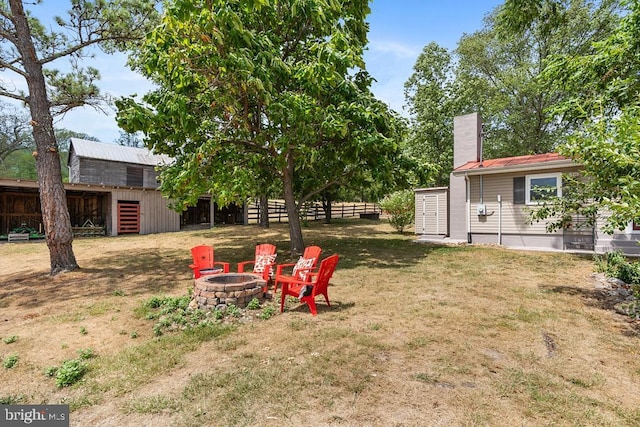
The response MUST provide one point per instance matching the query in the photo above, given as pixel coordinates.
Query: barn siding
(102, 172)
(155, 214)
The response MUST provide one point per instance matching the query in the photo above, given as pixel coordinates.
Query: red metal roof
(512, 161)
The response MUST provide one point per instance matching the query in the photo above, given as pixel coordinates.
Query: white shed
(432, 212)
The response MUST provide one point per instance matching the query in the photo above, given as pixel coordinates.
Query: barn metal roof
(116, 153)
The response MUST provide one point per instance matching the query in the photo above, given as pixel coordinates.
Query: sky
(399, 29)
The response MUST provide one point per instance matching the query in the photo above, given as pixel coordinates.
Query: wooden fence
(314, 211)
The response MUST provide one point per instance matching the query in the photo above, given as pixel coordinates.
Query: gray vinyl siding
(514, 216)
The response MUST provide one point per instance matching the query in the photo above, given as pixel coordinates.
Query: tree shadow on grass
(146, 272)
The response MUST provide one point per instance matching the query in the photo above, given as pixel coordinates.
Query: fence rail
(313, 211)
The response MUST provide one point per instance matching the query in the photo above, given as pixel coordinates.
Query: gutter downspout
(500, 219)
(468, 205)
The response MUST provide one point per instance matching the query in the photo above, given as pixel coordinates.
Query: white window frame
(529, 178)
(631, 230)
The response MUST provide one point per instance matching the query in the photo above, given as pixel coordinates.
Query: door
(128, 217)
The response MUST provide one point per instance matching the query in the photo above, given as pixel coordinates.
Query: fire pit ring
(219, 290)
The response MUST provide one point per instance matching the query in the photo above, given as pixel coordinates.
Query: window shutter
(519, 190)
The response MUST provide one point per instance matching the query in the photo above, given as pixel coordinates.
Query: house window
(134, 177)
(539, 188)
(635, 226)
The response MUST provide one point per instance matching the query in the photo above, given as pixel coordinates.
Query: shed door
(434, 214)
(128, 217)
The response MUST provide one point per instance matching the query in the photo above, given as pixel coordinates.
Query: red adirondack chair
(204, 264)
(263, 262)
(307, 290)
(306, 264)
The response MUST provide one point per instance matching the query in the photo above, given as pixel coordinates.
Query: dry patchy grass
(417, 335)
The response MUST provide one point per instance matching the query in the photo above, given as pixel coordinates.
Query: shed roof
(116, 153)
(518, 163)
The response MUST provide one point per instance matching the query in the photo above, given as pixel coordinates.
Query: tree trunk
(295, 230)
(55, 213)
(326, 207)
(264, 211)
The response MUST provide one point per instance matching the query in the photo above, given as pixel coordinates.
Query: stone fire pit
(218, 290)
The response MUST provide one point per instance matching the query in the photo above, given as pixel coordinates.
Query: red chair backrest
(307, 262)
(325, 271)
(202, 256)
(265, 249)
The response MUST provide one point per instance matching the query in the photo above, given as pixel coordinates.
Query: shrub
(615, 264)
(10, 361)
(400, 206)
(70, 372)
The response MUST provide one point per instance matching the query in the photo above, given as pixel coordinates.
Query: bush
(400, 206)
(70, 372)
(615, 264)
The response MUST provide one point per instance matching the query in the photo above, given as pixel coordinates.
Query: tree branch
(12, 95)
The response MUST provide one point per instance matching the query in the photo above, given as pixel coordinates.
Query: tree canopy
(603, 85)
(497, 72)
(249, 91)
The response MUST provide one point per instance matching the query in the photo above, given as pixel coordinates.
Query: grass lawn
(418, 334)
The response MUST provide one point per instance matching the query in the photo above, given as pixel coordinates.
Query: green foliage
(400, 206)
(233, 310)
(70, 372)
(601, 89)
(275, 91)
(10, 339)
(51, 371)
(254, 304)
(83, 331)
(615, 264)
(172, 314)
(10, 361)
(86, 353)
(432, 97)
(12, 399)
(267, 313)
(497, 72)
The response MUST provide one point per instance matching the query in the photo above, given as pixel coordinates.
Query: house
(489, 200)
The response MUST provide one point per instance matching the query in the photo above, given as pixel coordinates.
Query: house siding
(507, 220)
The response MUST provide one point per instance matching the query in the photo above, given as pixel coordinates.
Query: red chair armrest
(279, 268)
(242, 264)
(225, 266)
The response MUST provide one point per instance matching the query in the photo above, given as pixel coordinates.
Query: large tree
(28, 51)
(497, 73)
(433, 100)
(603, 87)
(506, 67)
(251, 86)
